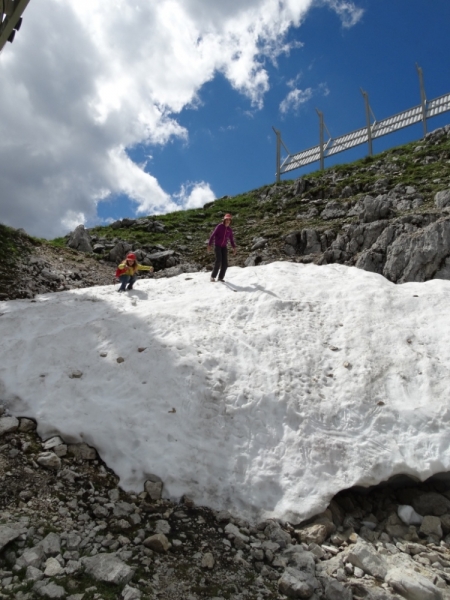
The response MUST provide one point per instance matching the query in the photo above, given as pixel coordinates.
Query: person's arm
(232, 241)
(213, 235)
(144, 268)
(121, 269)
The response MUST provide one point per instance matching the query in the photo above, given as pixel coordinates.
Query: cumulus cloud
(349, 13)
(294, 99)
(194, 195)
(87, 79)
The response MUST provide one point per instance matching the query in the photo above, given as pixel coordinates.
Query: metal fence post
(423, 100)
(322, 160)
(278, 166)
(369, 125)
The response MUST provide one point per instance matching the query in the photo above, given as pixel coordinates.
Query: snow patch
(307, 381)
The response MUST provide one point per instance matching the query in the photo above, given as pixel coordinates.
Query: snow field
(307, 381)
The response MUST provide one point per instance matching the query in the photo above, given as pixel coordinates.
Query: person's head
(227, 219)
(131, 258)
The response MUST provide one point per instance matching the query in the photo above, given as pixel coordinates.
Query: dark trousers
(124, 279)
(221, 261)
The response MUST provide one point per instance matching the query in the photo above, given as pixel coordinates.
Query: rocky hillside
(389, 214)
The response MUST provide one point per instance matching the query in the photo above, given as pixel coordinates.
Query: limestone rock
(315, 533)
(27, 425)
(335, 590)
(51, 275)
(119, 252)
(80, 240)
(33, 574)
(299, 558)
(130, 593)
(233, 530)
(365, 557)
(8, 534)
(8, 425)
(431, 526)
(157, 542)
(108, 568)
(154, 486)
(276, 534)
(82, 451)
(442, 199)
(162, 260)
(297, 584)
(208, 561)
(417, 257)
(32, 557)
(52, 590)
(52, 567)
(123, 509)
(52, 442)
(374, 209)
(431, 503)
(334, 210)
(51, 544)
(76, 374)
(162, 526)
(258, 243)
(49, 460)
(412, 586)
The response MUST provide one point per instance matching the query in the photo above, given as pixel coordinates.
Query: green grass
(14, 244)
(58, 242)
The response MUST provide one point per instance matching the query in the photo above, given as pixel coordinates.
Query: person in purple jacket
(220, 236)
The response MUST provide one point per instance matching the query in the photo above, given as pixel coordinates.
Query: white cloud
(87, 79)
(294, 99)
(348, 12)
(194, 195)
(72, 219)
(323, 89)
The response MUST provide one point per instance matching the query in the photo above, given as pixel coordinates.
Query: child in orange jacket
(127, 272)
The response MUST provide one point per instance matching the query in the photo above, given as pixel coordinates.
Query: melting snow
(268, 401)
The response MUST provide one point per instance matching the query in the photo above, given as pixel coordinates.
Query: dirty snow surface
(269, 400)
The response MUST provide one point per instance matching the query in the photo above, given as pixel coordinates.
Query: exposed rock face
(80, 240)
(395, 237)
(442, 199)
(8, 534)
(119, 252)
(418, 256)
(108, 568)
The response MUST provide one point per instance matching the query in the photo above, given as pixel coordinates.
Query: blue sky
(159, 120)
(232, 145)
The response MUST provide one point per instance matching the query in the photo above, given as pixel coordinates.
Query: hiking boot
(213, 280)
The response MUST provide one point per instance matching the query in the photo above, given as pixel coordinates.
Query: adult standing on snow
(127, 272)
(220, 237)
